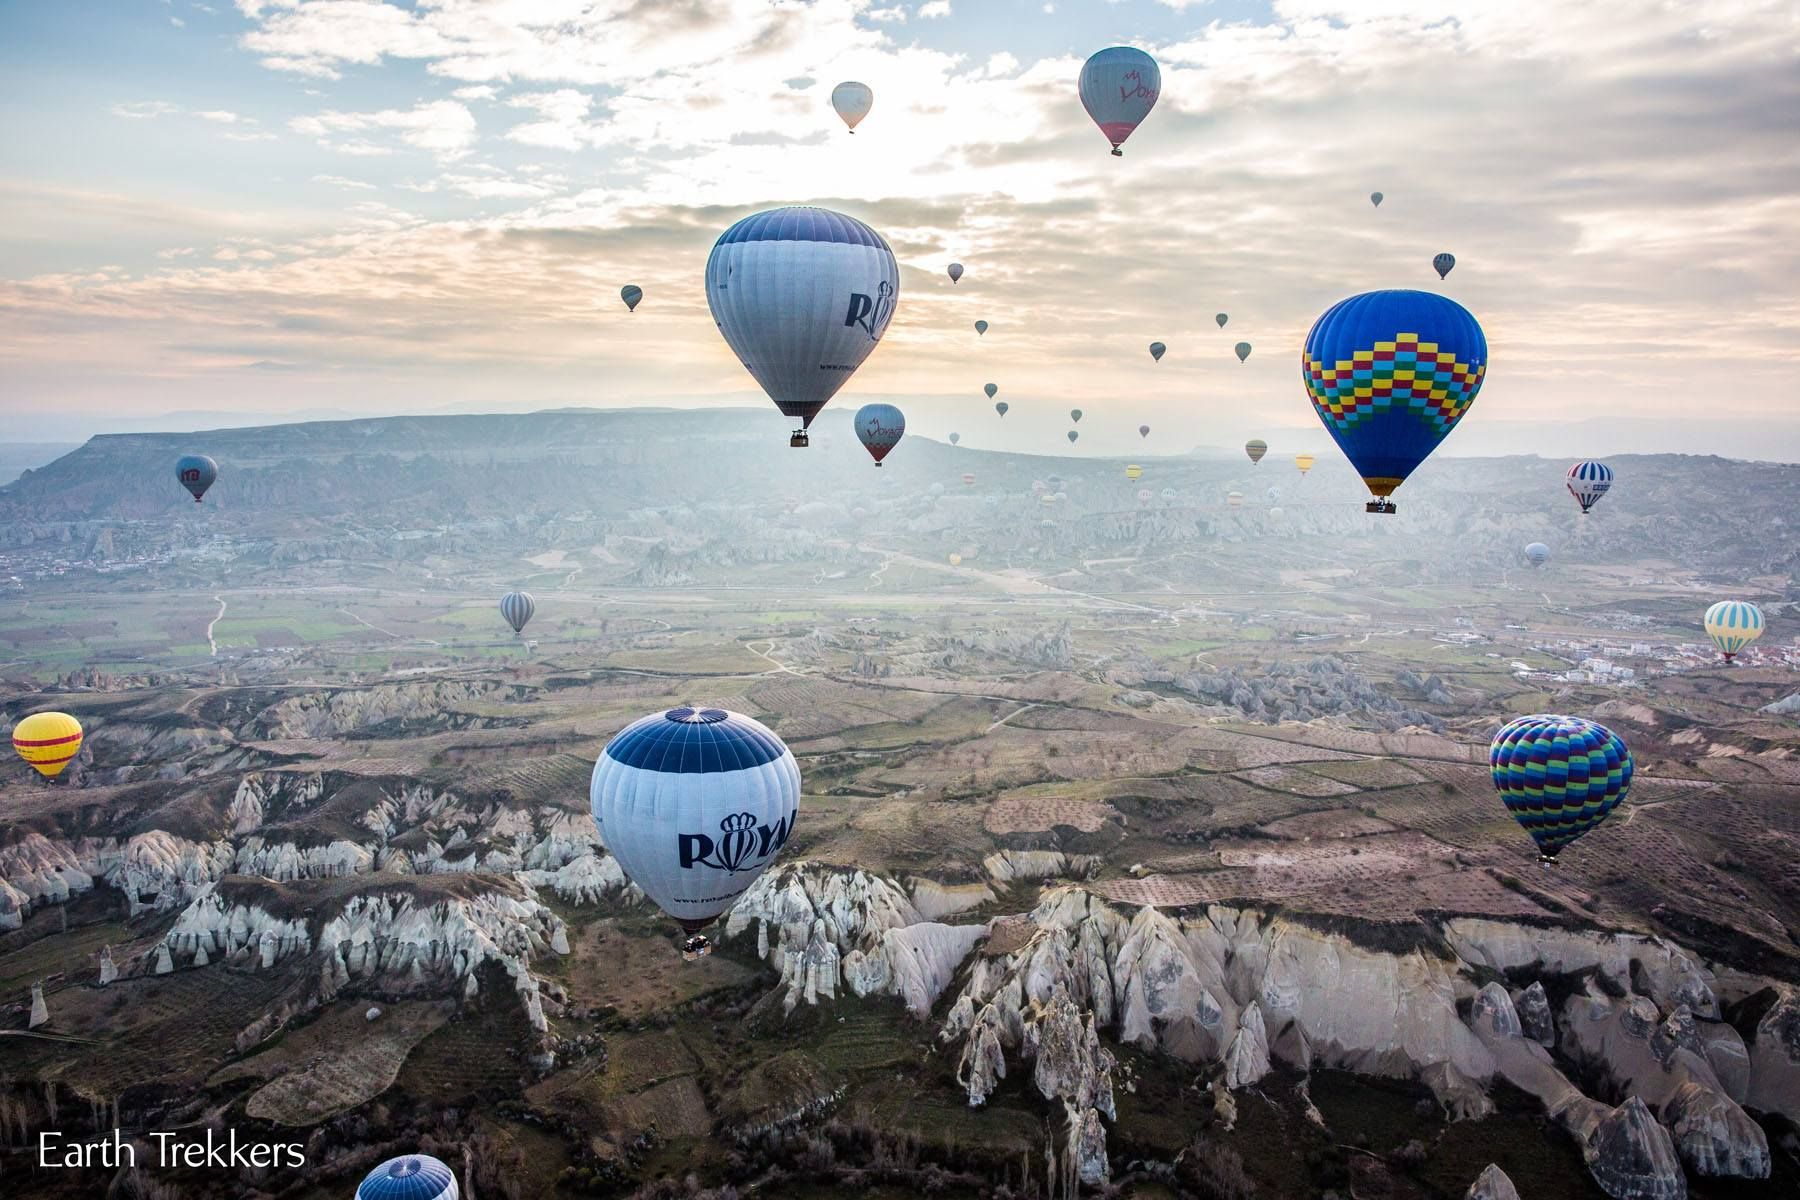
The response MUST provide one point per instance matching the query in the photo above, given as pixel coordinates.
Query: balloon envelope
(1001, 407)
(1234, 499)
(1075, 415)
(1390, 374)
(1558, 776)
(1134, 472)
(409, 1177)
(631, 293)
(1443, 263)
(196, 473)
(990, 389)
(955, 438)
(1221, 318)
(1242, 349)
(1537, 554)
(879, 427)
(852, 101)
(981, 327)
(1376, 198)
(49, 741)
(956, 560)
(1157, 350)
(1256, 448)
(1304, 462)
(695, 803)
(1732, 625)
(802, 296)
(956, 272)
(517, 608)
(1143, 495)
(969, 478)
(1588, 481)
(1143, 431)
(1072, 436)
(1118, 88)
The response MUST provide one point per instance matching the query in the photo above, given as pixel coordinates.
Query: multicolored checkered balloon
(1390, 374)
(1559, 776)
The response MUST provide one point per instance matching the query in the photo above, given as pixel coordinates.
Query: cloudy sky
(289, 207)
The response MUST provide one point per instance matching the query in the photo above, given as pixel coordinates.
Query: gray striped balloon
(517, 608)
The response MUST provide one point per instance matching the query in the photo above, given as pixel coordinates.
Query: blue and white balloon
(409, 1177)
(802, 296)
(517, 608)
(695, 803)
(1588, 481)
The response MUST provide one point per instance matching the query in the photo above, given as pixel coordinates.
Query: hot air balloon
(879, 427)
(1588, 481)
(1732, 625)
(1075, 415)
(695, 803)
(802, 296)
(1168, 493)
(1376, 198)
(1039, 487)
(981, 327)
(1256, 448)
(1143, 431)
(1118, 89)
(517, 608)
(1144, 496)
(969, 478)
(1001, 407)
(1390, 374)
(1221, 318)
(1072, 436)
(937, 489)
(956, 272)
(853, 102)
(48, 741)
(1559, 776)
(1304, 462)
(410, 1177)
(1443, 264)
(1276, 513)
(196, 473)
(1242, 349)
(955, 560)
(955, 438)
(1537, 554)
(1134, 472)
(1157, 350)
(990, 389)
(1234, 499)
(631, 293)
(1272, 492)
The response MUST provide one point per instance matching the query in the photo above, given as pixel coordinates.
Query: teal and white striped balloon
(1732, 625)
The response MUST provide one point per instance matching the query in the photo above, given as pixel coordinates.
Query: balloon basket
(695, 948)
(1380, 506)
(1546, 861)
(799, 439)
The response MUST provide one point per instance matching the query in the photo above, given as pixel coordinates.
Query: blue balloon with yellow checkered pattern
(1391, 373)
(1559, 776)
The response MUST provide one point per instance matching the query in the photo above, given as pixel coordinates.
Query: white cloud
(441, 127)
(144, 110)
(562, 118)
(178, 23)
(934, 8)
(347, 184)
(893, 14)
(480, 91)
(219, 116)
